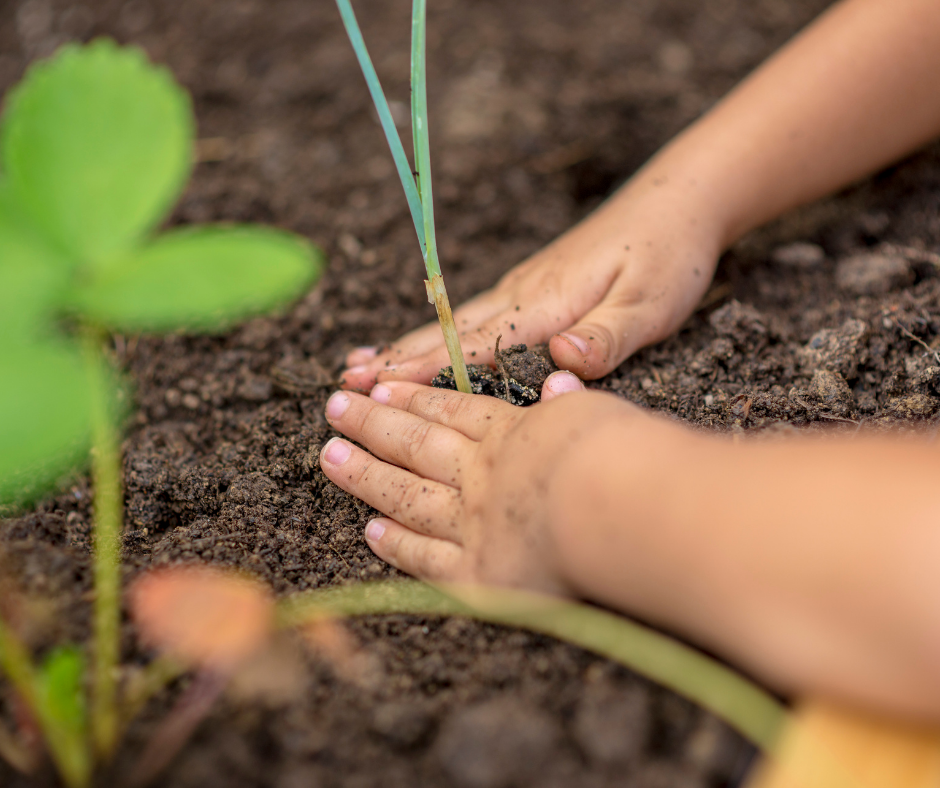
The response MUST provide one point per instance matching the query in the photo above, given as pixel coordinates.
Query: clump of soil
(517, 379)
(829, 319)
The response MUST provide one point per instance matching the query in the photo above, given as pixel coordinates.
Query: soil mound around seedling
(517, 379)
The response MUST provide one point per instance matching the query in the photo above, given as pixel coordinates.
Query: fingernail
(579, 344)
(337, 451)
(563, 383)
(357, 370)
(374, 530)
(337, 404)
(381, 394)
(367, 351)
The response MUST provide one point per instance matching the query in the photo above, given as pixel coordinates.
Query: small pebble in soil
(496, 744)
(873, 273)
(798, 255)
(403, 725)
(840, 349)
(832, 392)
(613, 725)
(914, 406)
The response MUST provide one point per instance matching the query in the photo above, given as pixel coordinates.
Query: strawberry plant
(96, 146)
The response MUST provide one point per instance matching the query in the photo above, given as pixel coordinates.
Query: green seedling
(417, 185)
(96, 146)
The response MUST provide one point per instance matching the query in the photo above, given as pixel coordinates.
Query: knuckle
(359, 467)
(415, 438)
(427, 560)
(364, 418)
(604, 337)
(451, 408)
(409, 494)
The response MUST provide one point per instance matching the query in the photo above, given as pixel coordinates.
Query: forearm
(811, 562)
(852, 93)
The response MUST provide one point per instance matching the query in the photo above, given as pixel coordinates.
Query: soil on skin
(828, 319)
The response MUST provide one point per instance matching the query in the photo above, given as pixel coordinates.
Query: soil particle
(613, 727)
(528, 366)
(914, 406)
(839, 350)
(740, 322)
(799, 254)
(496, 744)
(873, 273)
(404, 725)
(832, 392)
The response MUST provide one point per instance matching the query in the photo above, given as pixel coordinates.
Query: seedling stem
(417, 185)
(106, 475)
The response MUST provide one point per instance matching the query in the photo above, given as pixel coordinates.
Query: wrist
(612, 528)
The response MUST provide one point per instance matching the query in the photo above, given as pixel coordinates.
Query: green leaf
(202, 278)
(32, 278)
(61, 689)
(97, 144)
(64, 714)
(45, 422)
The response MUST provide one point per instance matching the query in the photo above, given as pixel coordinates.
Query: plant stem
(743, 705)
(419, 129)
(106, 476)
(437, 295)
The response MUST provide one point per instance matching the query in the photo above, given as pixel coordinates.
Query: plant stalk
(437, 295)
(746, 707)
(106, 476)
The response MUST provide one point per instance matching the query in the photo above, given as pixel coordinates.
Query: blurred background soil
(828, 319)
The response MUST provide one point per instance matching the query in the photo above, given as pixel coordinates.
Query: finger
(626, 319)
(430, 450)
(361, 355)
(559, 383)
(425, 557)
(421, 504)
(469, 414)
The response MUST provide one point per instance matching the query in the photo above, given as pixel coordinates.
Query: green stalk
(437, 295)
(746, 707)
(417, 185)
(106, 476)
(385, 118)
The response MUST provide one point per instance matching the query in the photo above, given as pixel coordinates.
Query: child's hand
(466, 481)
(627, 276)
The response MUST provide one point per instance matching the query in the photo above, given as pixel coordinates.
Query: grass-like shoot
(417, 185)
(96, 146)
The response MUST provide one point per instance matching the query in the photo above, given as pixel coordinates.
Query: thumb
(622, 323)
(558, 383)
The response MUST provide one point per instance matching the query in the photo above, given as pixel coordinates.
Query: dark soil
(539, 109)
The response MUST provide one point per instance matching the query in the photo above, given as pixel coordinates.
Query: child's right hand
(625, 277)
